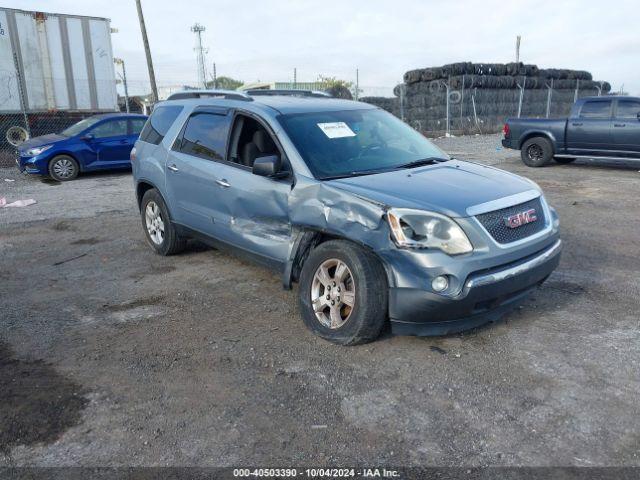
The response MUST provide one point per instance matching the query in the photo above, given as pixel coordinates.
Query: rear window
(596, 109)
(159, 124)
(205, 136)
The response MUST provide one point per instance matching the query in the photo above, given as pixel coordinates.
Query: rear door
(194, 172)
(111, 142)
(589, 133)
(626, 126)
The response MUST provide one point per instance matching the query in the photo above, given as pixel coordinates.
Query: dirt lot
(111, 355)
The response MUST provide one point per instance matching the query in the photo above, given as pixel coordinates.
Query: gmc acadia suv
(374, 221)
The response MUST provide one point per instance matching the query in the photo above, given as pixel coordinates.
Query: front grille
(494, 222)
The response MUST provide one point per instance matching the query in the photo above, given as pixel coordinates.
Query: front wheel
(160, 233)
(343, 293)
(537, 152)
(63, 168)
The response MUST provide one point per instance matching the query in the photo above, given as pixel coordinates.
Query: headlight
(38, 150)
(421, 229)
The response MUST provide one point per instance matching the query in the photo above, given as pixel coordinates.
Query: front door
(626, 126)
(257, 206)
(111, 143)
(590, 132)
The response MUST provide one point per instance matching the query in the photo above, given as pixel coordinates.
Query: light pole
(119, 61)
(147, 51)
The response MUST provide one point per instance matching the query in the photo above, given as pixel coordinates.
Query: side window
(159, 124)
(137, 124)
(110, 128)
(205, 136)
(251, 141)
(629, 109)
(596, 110)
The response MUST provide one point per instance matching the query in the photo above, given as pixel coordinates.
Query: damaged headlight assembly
(422, 229)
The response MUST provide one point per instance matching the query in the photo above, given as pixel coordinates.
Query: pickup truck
(605, 127)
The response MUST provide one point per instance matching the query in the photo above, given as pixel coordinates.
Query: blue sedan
(101, 142)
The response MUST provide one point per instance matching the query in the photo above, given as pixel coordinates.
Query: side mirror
(88, 137)
(269, 166)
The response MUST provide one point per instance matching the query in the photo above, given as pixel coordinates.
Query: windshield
(357, 142)
(82, 125)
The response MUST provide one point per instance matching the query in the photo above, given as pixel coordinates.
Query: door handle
(124, 141)
(223, 183)
(576, 124)
(173, 168)
(619, 124)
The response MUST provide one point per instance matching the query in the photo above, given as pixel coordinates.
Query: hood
(448, 188)
(42, 140)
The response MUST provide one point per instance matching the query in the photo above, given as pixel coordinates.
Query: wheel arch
(142, 187)
(305, 240)
(538, 133)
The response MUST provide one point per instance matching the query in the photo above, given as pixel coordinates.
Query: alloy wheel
(333, 293)
(154, 222)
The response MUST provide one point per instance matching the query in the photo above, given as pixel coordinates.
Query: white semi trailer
(54, 62)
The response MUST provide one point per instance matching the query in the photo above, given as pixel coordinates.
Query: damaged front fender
(317, 209)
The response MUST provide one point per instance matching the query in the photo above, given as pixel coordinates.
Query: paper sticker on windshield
(336, 130)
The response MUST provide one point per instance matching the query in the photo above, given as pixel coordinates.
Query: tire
(159, 231)
(63, 168)
(564, 161)
(537, 152)
(364, 278)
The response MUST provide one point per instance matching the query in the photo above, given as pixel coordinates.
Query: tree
(225, 83)
(337, 88)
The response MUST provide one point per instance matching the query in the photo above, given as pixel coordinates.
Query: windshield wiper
(422, 161)
(357, 173)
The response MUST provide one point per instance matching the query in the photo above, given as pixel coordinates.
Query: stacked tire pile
(390, 104)
(493, 88)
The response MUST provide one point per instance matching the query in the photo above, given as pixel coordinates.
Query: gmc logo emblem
(521, 218)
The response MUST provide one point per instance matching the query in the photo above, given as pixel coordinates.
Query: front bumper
(30, 164)
(485, 297)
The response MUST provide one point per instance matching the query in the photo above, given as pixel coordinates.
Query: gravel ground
(111, 355)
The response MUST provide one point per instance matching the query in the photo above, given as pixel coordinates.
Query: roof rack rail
(287, 92)
(227, 94)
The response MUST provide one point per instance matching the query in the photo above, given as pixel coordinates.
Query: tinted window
(596, 109)
(137, 124)
(206, 136)
(159, 124)
(111, 128)
(628, 109)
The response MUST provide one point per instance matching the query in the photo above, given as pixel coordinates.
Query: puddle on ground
(38, 403)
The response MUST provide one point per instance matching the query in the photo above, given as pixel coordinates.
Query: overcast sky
(265, 40)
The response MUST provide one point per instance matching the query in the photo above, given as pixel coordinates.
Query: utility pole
(202, 74)
(517, 48)
(295, 78)
(215, 76)
(119, 61)
(147, 51)
(357, 83)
